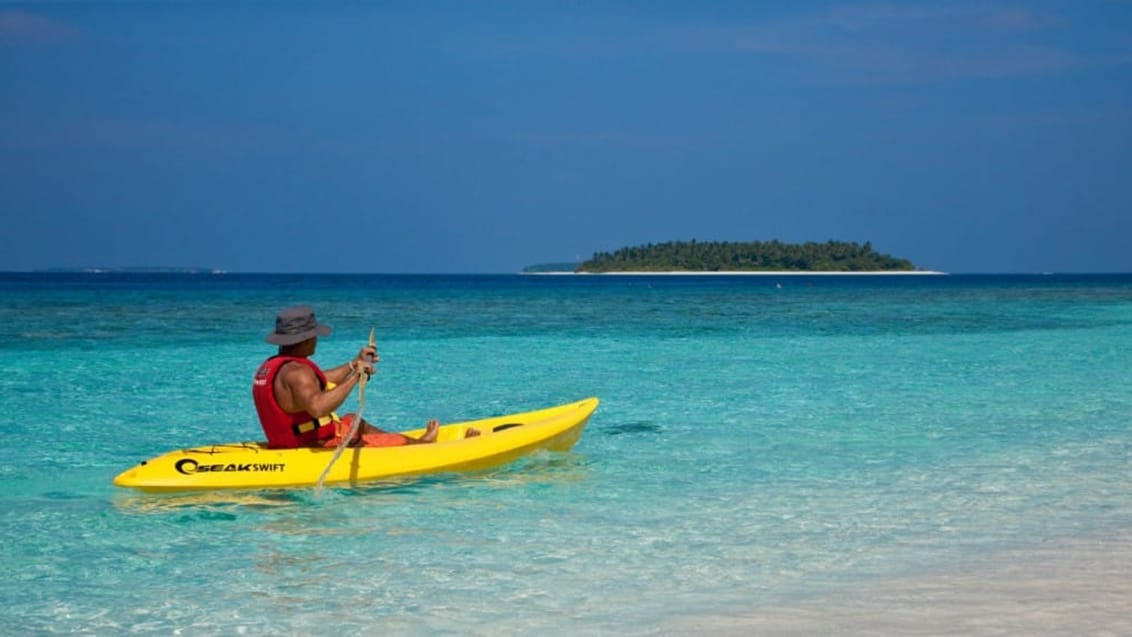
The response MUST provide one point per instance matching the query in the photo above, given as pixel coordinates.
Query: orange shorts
(369, 436)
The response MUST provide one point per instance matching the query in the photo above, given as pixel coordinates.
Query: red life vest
(287, 430)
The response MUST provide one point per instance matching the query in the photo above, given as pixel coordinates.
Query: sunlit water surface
(864, 454)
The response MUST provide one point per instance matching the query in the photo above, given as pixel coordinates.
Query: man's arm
(297, 389)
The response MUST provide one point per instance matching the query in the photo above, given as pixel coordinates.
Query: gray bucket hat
(295, 325)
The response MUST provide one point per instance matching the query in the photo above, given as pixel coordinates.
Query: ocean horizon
(218, 271)
(777, 454)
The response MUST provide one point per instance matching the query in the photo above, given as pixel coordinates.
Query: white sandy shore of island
(1079, 586)
(745, 273)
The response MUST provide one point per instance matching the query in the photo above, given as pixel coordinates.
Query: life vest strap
(310, 425)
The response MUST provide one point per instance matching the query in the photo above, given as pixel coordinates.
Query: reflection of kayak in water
(251, 465)
(214, 504)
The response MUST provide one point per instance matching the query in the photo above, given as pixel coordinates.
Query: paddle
(353, 426)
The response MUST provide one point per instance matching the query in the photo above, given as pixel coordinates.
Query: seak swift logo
(188, 467)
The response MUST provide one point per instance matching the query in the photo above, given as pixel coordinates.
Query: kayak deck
(252, 465)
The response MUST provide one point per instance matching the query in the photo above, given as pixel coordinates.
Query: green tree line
(738, 256)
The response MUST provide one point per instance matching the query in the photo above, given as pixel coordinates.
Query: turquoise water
(756, 446)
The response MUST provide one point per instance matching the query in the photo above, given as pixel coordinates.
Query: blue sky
(978, 136)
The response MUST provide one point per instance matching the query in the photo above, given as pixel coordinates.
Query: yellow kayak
(251, 465)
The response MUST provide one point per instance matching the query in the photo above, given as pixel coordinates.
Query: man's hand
(367, 360)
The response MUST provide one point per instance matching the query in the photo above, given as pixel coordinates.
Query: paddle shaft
(354, 426)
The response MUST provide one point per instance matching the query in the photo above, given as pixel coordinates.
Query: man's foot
(472, 432)
(431, 430)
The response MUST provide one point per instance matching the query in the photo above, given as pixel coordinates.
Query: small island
(705, 257)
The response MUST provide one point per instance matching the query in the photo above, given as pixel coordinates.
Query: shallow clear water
(756, 447)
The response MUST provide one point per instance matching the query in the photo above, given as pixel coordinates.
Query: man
(295, 399)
